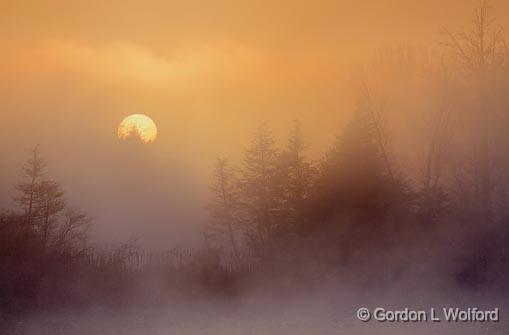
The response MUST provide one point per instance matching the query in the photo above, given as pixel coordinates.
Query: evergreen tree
(44, 207)
(296, 174)
(261, 193)
(358, 200)
(353, 170)
(224, 207)
(33, 171)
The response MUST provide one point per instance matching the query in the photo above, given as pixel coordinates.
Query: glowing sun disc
(140, 125)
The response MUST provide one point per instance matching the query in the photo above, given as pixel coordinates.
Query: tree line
(279, 196)
(358, 200)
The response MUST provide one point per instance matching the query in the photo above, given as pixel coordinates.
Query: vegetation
(355, 207)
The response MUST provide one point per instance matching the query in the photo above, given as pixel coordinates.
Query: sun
(140, 125)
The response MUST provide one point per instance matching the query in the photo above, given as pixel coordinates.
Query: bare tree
(50, 205)
(376, 116)
(72, 232)
(479, 51)
(481, 48)
(433, 202)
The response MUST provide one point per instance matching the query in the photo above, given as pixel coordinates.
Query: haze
(207, 72)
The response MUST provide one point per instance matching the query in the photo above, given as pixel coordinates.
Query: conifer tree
(297, 175)
(33, 171)
(261, 193)
(224, 207)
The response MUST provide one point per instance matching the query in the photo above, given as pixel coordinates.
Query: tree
(359, 202)
(433, 198)
(44, 207)
(261, 193)
(50, 205)
(72, 233)
(224, 207)
(352, 167)
(32, 170)
(480, 51)
(296, 174)
(376, 122)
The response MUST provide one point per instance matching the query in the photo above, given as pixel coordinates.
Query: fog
(207, 73)
(327, 309)
(310, 160)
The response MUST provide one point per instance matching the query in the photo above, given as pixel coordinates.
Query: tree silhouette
(434, 202)
(374, 113)
(72, 233)
(32, 170)
(358, 202)
(480, 51)
(296, 174)
(225, 206)
(50, 205)
(261, 193)
(45, 209)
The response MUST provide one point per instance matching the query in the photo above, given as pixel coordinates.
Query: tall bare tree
(377, 120)
(433, 197)
(479, 51)
(50, 205)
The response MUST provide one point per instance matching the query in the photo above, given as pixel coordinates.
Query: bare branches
(480, 48)
(73, 231)
(480, 51)
(440, 137)
(378, 124)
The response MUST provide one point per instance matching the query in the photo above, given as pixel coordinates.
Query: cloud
(140, 65)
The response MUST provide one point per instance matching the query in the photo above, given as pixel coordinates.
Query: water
(254, 316)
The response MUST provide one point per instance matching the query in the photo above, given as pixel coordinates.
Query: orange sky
(207, 72)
